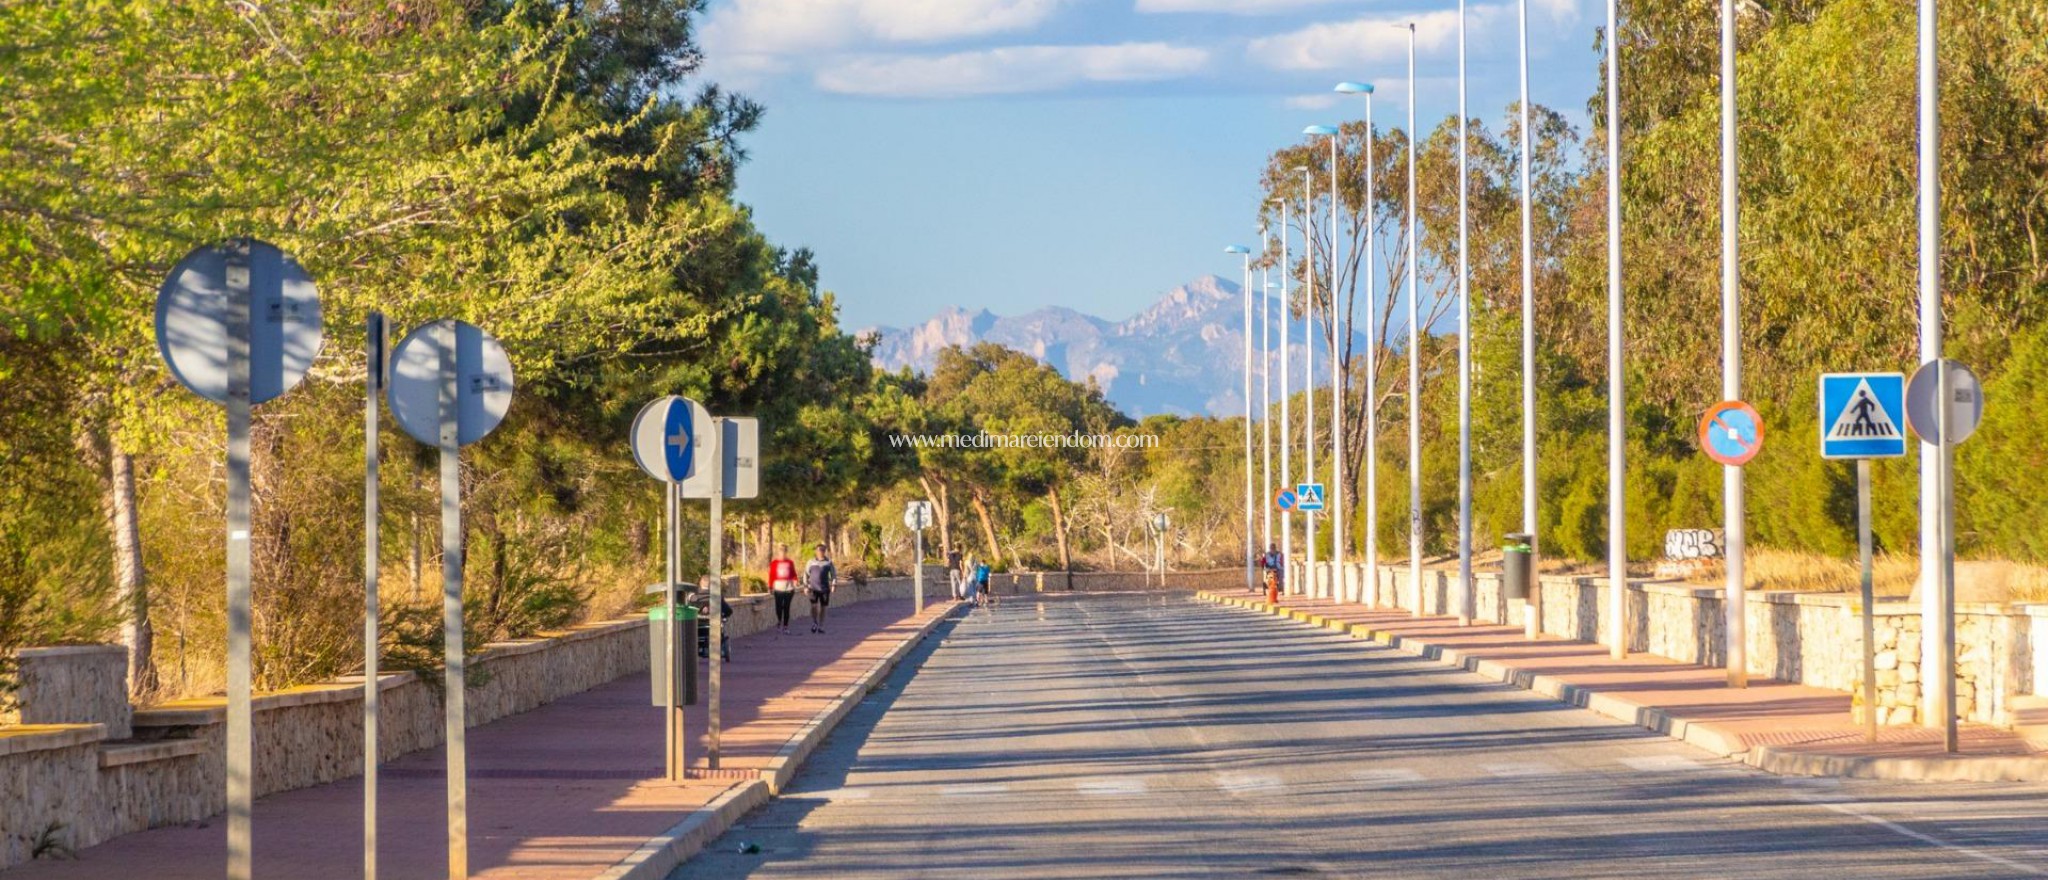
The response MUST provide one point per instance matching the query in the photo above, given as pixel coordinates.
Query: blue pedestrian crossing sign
(1862, 415)
(1309, 497)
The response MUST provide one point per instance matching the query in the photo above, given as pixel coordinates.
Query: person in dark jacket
(818, 577)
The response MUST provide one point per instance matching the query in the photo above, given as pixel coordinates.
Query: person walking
(981, 584)
(818, 576)
(1275, 566)
(956, 576)
(782, 585)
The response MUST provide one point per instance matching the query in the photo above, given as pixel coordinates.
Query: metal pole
(672, 714)
(1248, 510)
(240, 744)
(454, 695)
(1266, 390)
(1931, 331)
(1737, 605)
(1373, 331)
(1414, 357)
(373, 383)
(917, 570)
(1531, 606)
(1340, 339)
(1617, 522)
(1947, 669)
(1287, 479)
(1308, 368)
(1467, 591)
(1869, 601)
(714, 453)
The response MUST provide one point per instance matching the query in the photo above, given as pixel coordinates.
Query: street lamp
(1286, 400)
(1414, 356)
(1241, 250)
(1467, 591)
(1369, 589)
(1266, 385)
(1338, 340)
(1308, 361)
(1617, 522)
(1531, 616)
(1731, 360)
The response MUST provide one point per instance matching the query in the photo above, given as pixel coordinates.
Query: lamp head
(1237, 249)
(1353, 88)
(1319, 130)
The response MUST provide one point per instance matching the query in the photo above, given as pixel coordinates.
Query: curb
(666, 851)
(1770, 759)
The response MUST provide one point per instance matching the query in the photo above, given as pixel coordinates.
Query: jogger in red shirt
(782, 584)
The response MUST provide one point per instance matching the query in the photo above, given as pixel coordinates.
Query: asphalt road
(1157, 736)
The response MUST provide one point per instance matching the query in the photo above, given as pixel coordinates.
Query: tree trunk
(1059, 531)
(130, 579)
(988, 526)
(942, 507)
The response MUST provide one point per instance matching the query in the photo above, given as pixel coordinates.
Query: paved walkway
(564, 791)
(1787, 727)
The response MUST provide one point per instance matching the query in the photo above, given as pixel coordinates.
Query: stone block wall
(77, 684)
(1808, 638)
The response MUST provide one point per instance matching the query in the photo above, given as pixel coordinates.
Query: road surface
(1158, 736)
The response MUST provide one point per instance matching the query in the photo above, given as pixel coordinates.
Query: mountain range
(1182, 355)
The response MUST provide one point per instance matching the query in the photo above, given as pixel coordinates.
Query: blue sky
(1012, 154)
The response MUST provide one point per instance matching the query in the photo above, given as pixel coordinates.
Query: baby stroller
(702, 603)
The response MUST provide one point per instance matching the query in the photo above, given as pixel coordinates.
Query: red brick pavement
(564, 791)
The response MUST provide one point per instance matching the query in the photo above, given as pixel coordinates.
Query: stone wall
(79, 684)
(1808, 638)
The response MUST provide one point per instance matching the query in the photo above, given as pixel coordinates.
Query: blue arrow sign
(677, 445)
(1311, 495)
(1862, 415)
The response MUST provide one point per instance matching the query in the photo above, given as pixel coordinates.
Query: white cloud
(1009, 70)
(1381, 39)
(783, 27)
(1312, 102)
(1341, 45)
(1233, 7)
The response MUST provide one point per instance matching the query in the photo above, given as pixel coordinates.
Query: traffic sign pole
(376, 339)
(917, 574)
(1869, 600)
(454, 692)
(672, 541)
(240, 744)
(1943, 406)
(714, 458)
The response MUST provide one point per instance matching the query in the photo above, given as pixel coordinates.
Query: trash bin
(1514, 567)
(657, 667)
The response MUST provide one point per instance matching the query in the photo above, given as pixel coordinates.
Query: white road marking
(1112, 787)
(1520, 770)
(1246, 782)
(1387, 778)
(978, 790)
(1931, 840)
(1664, 764)
(841, 794)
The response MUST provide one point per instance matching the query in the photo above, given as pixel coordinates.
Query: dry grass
(1994, 581)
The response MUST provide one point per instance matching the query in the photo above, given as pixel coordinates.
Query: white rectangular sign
(741, 448)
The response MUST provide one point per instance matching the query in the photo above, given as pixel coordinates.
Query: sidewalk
(1777, 726)
(564, 791)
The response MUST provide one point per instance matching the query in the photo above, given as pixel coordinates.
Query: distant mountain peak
(1183, 354)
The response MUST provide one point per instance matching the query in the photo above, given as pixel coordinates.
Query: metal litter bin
(1514, 567)
(657, 640)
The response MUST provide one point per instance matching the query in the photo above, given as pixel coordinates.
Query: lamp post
(1531, 615)
(1937, 599)
(1466, 591)
(1334, 321)
(1249, 581)
(1308, 369)
(1617, 522)
(1370, 583)
(1266, 385)
(1286, 403)
(1731, 357)
(1414, 356)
